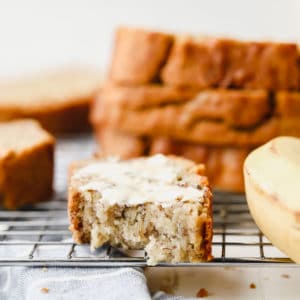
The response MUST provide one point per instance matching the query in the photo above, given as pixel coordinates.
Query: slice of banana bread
(58, 99)
(161, 204)
(26, 163)
(236, 108)
(143, 56)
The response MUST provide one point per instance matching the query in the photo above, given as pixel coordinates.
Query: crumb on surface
(223, 213)
(285, 276)
(169, 284)
(252, 286)
(45, 290)
(45, 269)
(202, 293)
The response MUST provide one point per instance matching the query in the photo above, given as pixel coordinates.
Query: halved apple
(272, 179)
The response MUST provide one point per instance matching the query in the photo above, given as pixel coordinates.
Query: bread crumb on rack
(285, 276)
(252, 286)
(202, 293)
(169, 284)
(45, 290)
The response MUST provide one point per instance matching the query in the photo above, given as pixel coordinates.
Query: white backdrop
(35, 34)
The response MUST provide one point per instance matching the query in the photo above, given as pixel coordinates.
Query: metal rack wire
(39, 236)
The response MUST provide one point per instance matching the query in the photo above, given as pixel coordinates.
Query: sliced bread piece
(143, 56)
(161, 204)
(26, 163)
(58, 99)
(236, 108)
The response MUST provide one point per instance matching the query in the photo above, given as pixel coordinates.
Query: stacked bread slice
(211, 100)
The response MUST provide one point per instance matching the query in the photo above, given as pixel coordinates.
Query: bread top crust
(159, 179)
(50, 90)
(22, 135)
(203, 61)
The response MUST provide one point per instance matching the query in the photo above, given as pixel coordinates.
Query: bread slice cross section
(162, 204)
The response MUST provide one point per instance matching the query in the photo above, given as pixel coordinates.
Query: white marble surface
(228, 283)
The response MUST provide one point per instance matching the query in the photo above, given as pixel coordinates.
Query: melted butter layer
(157, 179)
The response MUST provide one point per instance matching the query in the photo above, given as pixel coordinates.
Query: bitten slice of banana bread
(160, 203)
(26, 163)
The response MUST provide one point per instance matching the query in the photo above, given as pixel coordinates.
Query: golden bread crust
(203, 62)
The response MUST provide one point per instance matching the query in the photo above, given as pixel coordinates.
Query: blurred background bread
(174, 55)
(59, 99)
(26, 163)
(206, 98)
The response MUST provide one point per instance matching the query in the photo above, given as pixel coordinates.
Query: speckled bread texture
(170, 227)
(26, 163)
(58, 99)
(203, 61)
(223, 165)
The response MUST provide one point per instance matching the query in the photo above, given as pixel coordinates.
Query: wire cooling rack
(39, 236)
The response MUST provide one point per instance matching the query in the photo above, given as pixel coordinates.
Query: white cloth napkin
(72, 283)
(37, 283)
(57, 283)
